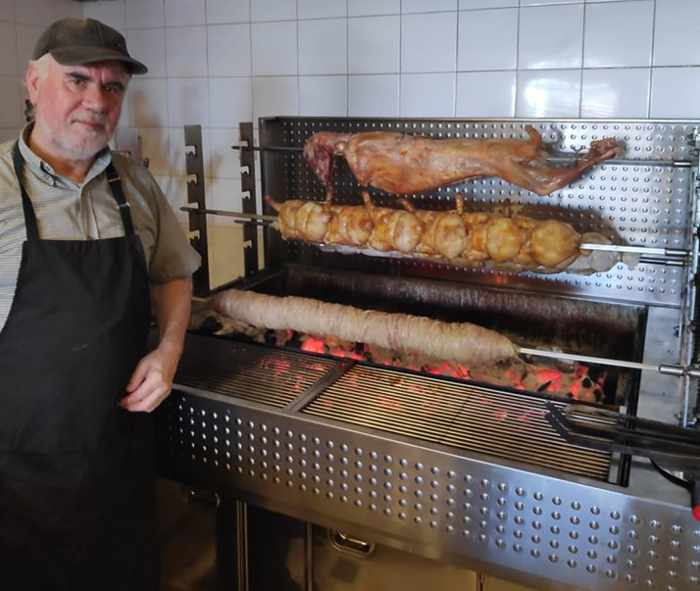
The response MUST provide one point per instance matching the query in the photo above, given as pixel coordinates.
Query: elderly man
(86, 238)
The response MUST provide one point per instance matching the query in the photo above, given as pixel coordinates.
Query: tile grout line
(250, 65)
(347, 58)
(298, 59)
(455, 94)
(516, 94)
(401, 89)
(651, 60)
(583, 53)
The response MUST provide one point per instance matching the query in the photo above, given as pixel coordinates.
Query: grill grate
(250, 372)
(468, 417)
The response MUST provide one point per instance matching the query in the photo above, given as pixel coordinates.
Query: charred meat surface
(401, 164)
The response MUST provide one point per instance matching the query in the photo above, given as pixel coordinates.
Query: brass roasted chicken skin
(463, 238)
(399, 163)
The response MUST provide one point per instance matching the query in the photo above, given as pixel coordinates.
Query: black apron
(76, 470)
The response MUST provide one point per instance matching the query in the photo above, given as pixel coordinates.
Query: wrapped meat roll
(459, 342)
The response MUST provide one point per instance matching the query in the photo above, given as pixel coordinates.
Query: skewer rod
(230, 214)
(270, 148)
(667, 252)
(664, 252)
(554, 157)
(588, 359)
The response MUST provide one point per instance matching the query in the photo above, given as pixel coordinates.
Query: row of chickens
(457, 236)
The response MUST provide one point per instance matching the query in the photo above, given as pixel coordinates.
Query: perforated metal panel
(642, 200)
(427, 482)
(573, 532)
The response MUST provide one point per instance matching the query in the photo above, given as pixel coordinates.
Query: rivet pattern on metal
(538, 526)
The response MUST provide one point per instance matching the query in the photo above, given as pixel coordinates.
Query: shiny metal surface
(426, 468)
(641, 201)
(466, 416)
(436, 500)
(648, 199)
(470, 418)
(252, 372)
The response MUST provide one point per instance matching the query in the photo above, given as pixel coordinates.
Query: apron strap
(115, 185)
(113, 182)
(29, 215)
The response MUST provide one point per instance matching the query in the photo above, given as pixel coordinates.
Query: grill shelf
(472, 418)
(249, 372)
(469, 417)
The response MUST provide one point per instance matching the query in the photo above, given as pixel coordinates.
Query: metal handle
(648, 250)
(202, 497)
(351, 544)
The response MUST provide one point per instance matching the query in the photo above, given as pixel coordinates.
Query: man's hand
(151, 381)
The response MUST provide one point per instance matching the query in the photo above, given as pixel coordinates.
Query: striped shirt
(66, 210)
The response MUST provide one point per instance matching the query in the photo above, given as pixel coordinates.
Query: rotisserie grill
(374, 427)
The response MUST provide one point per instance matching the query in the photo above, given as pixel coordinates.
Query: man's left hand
(151, 381)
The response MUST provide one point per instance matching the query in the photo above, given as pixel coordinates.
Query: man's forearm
(173, 301)
(152, 379)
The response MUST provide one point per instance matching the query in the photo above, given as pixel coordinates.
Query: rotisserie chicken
(398, 163)
(468, 239)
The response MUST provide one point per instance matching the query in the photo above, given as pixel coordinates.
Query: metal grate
(477, 419)
(250, 372)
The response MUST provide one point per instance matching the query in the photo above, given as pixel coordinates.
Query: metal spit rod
(645, 250)
(674, 253)
(562, 157)
(692, 371)
(662, 368)
(648, 250)
(231, 214)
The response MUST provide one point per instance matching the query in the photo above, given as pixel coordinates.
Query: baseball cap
(74, 41)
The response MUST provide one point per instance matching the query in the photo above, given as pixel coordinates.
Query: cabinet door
(344, 563)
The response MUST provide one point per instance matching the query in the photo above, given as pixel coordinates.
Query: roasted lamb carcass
(398, 163)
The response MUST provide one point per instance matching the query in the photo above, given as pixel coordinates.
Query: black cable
(666, 474)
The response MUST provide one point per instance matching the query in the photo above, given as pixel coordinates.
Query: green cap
(78, 41)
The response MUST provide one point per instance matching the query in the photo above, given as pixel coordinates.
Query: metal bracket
(250, 231)
(196, 194)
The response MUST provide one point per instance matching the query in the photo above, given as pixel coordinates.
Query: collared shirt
(67, 210)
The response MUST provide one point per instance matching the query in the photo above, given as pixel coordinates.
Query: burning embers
(574, 382)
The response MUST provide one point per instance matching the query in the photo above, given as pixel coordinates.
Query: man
(86, 238)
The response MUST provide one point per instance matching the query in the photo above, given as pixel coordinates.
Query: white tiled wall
(21, 22)
(218, 62)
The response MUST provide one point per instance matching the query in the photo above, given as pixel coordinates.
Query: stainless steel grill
(467, 417)
(462, 471)
(266, 376)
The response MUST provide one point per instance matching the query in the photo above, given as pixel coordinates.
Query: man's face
(77, 107)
